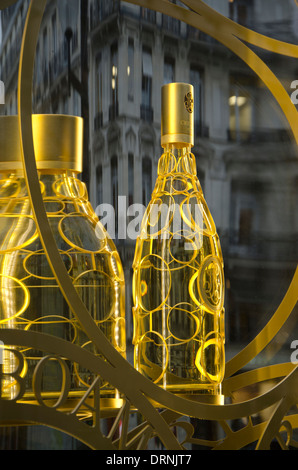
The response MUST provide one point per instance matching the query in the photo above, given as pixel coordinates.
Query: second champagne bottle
(178, 281)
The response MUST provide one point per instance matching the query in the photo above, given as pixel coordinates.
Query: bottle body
(30, 297)
(178, 283)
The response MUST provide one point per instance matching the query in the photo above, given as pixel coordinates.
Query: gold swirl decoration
(161, 412)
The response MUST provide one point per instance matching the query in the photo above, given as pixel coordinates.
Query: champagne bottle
(178, 280)
(30, 297)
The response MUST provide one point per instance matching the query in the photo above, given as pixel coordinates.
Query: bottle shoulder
(177, 161)
(74, 224)
(177, 184)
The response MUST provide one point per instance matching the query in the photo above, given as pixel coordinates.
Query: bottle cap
(58, 142)
(177, 114)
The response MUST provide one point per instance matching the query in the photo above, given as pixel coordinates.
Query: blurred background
(106, 60)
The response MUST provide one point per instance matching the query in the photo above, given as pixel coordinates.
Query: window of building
(147, 180)
(37, 64)
(244, 316)
(130, 179)
(114, 75)
(54, 34)
(130, 69)
(148, 15)
(65, 49)
(114, 185)
(76, 103)
(45, 55)
(65, 105)
(196, 79)
(53, 46)
(98, 86)
(246, 197)
(169, 70)
(245, 225)
(241, 11)
(240, 114)
(99, 191)
(147, 78)
(8, 54)
(4, 58)
(19, 27)
(241, 107)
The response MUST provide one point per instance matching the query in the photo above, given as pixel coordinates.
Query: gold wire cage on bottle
(30, 298)
(178, 283)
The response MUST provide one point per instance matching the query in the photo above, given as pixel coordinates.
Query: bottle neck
(177, 158)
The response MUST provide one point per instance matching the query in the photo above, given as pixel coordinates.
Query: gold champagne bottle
(178, 281)
(30, 297)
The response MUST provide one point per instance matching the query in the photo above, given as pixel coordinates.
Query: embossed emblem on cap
(188, 102)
